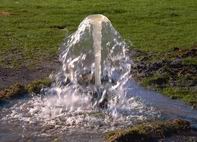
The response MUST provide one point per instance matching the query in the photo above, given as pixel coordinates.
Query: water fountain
(91, 88)
(95, 74)
(94, 90)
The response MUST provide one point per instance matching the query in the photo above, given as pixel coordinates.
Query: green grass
(190, 60)
(30, 35)
(186, 94)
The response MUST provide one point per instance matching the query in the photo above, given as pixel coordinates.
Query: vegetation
(171, 75)
(17, 89)
(36, 85)
(148, 132)
(31, 31)
(13, 91)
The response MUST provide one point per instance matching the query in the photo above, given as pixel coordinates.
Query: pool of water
(17, 124)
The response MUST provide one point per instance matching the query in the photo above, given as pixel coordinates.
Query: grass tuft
(37, 85)
(148, 132)
(19, 89)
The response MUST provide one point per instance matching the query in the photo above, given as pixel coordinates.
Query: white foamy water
(91, 90)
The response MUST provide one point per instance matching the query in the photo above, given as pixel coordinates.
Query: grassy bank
(149, 132)
(17, 90)
(31, 32)
(174, 74)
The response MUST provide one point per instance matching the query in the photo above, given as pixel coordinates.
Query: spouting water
(89, 47)
(92, 87)
(96, 21)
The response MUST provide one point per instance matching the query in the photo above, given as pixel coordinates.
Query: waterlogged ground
(19, 123)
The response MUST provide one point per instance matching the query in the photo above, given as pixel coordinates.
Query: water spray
(93, 79)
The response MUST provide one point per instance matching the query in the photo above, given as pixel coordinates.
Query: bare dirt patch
(25, 75)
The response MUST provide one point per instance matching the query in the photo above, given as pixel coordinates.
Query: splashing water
(92, 88)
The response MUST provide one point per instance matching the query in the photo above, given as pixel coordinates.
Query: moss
(37, 85)
(148, 131)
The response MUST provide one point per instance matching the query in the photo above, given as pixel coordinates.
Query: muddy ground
(25, 75)
(157, 73)
(173, 73)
